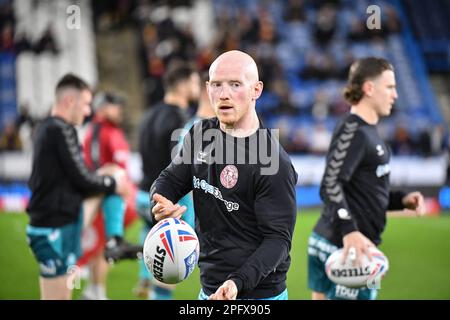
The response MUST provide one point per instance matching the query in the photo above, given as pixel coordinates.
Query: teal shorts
(55, 249)
(319, 249)
(282, 296)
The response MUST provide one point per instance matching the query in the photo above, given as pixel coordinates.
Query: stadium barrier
(425, 174)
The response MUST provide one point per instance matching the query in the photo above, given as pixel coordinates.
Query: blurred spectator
(22, 43)
(424, 143)
(7, 38)
(338, 107)
(358, 30)
(402, 143)
(299, 143)
(448, 166)
(319, 66)
(248, 27)
(6, 14)
(392, 23)
(9, 139)
(303, 49)
(110, 15)
(320, 139)
(295, 11)
(26, 126)
(267, 32)
(433, 141)
(326, 24)
(163, 41)
(440, 139)
(268, 66)
(281, 89)
(320, 108)
(320, 3)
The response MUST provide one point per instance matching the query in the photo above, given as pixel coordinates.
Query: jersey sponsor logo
(229, 176)
(205, 186)
(383, 169)
(380, 150)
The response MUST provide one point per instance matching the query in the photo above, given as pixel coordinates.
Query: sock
(95, 292)
(113, 207)
(89, 292)
(100, 292)
(160, 293)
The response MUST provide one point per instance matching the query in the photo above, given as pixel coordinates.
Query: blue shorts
(282, 296)
(55, 249)
(319, 249)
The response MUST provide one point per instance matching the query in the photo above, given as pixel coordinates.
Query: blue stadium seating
(416, 98)
(8, 105)
(432, 28)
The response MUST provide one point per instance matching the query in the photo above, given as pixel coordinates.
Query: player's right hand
(355, 246)
(122, 185)
(164, 208)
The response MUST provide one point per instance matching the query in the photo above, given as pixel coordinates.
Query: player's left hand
(227, 291)
(415, 201)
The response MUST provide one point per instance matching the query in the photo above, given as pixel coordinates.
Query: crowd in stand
(302, 47)
(297, 44)
(17, 41)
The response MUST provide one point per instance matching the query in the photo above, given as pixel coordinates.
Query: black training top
(59, 178)
(355, 185)
(155, 139)
(245, 207)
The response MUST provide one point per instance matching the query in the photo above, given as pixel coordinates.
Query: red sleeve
(87, 148)
(120, 150)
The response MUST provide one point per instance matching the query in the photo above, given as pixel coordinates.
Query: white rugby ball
(369, 274)
(171, 250)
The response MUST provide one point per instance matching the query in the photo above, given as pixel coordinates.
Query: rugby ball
(171, 250)
(369, 274)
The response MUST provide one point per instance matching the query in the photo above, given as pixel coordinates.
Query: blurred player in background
(244, 218)
(355, 185)
(204, 111)
(59, 181)
(105, 144)
(156, 144)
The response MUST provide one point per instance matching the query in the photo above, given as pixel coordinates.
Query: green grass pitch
(418, 250)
